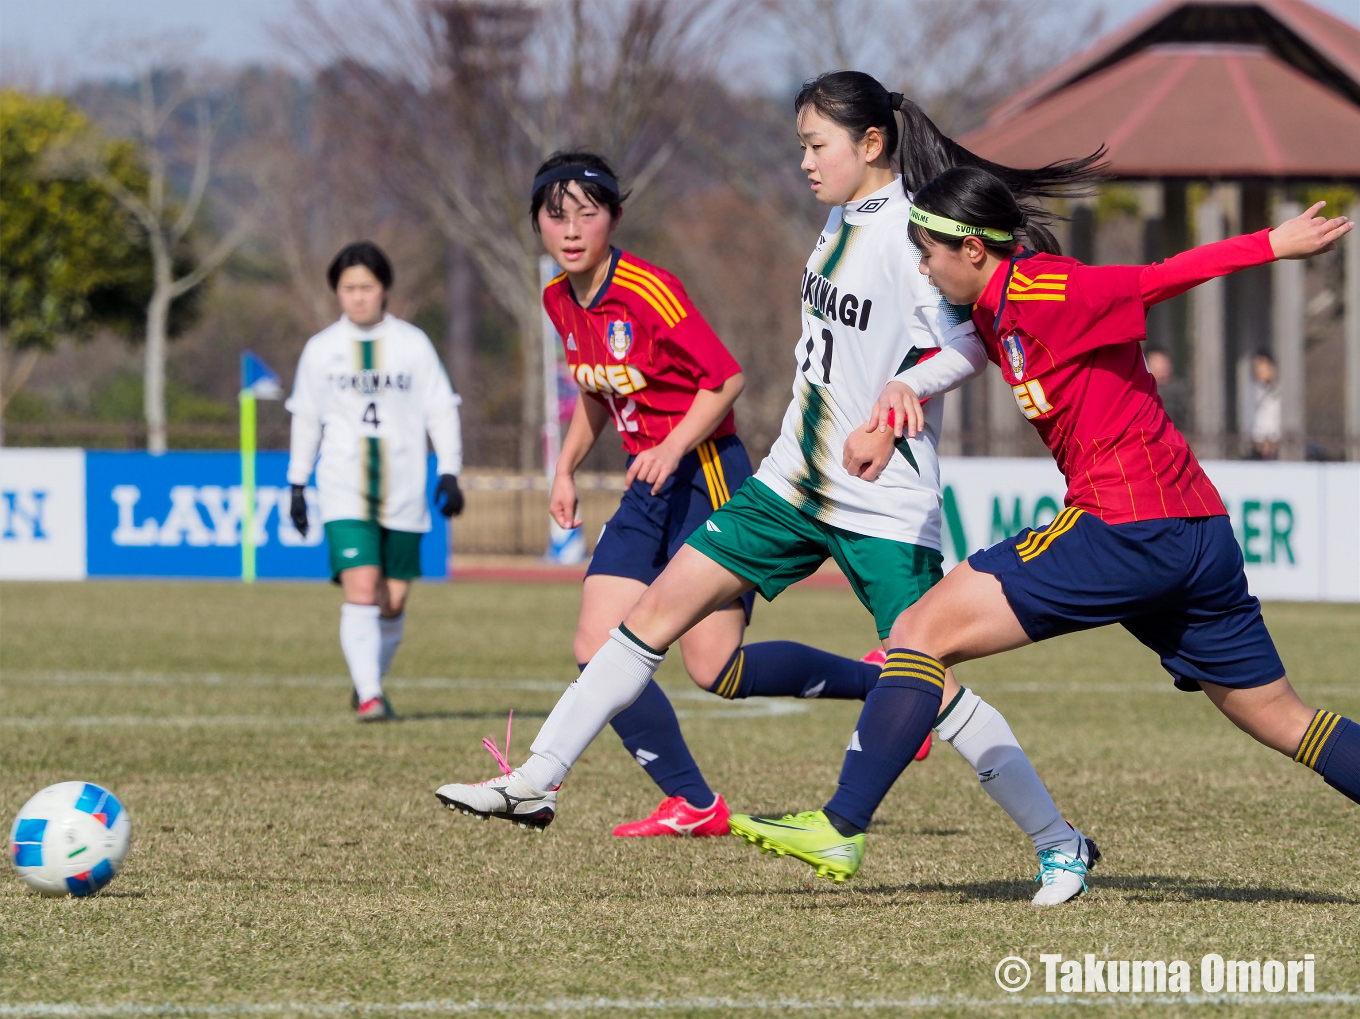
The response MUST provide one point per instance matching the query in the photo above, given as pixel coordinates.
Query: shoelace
(666, 804)
(490, 743)
(1052, 860)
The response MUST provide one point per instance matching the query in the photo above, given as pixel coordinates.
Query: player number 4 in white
(1029, 396)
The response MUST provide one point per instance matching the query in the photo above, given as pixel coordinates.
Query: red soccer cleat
(675, 816)
(877, 657)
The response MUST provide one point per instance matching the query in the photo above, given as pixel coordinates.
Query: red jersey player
(1144, 539)
(648, 363)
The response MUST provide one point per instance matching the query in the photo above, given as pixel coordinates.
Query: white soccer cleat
(507, 796)
(1062, 871)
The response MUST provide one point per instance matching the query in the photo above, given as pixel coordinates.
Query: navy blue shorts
(1176, 584)
(647, 530)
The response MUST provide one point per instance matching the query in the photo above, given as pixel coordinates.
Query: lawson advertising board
(67, 514)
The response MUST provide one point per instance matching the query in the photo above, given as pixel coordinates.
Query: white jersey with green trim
(366, 398)
(868, 315)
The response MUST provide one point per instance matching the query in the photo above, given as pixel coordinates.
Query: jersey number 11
(827, 342)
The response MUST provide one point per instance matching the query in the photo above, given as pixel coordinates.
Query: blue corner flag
(258, 378)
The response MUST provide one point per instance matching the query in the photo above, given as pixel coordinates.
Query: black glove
(448, 497)
(298, 510)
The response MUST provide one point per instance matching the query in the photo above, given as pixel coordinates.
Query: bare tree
(459, 100)
(955, 58)
(165, 220)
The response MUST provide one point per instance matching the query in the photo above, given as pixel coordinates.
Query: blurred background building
(1221, 118)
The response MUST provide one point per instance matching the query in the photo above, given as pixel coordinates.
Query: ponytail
(927, 152)
(857, 102)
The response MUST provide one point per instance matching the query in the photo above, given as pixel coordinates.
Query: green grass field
(286, 861)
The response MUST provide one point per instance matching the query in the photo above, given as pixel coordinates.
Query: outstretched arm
(1303, 236)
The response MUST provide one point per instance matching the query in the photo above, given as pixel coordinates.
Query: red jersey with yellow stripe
(1067, 338)
(641, 348)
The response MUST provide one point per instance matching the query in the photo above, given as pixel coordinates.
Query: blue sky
(62, 41)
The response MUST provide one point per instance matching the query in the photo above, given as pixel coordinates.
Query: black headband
(576, 172)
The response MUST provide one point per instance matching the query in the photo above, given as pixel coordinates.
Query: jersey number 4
(827, 343)
(371, 415)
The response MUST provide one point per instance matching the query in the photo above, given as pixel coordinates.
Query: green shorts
(364, 543)
(759, 536)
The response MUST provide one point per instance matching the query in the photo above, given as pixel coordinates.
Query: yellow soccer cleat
(809, 837)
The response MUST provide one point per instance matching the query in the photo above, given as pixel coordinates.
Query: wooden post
(1208, 337)
(1287, 302)
(1351, 256)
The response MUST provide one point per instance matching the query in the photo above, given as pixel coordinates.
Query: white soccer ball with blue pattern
(70, 839)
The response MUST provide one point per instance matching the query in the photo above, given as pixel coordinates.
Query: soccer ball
(70, 839)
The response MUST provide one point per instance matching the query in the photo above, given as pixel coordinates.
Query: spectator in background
(1265, 403)
(1174, 392)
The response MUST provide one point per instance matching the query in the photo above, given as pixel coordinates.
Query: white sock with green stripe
(981, 736)
(361, 641)
(611, 682)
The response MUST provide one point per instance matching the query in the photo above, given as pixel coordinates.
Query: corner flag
(259, 378)
(258, 381)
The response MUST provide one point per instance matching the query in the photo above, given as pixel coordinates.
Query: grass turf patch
(286, 858)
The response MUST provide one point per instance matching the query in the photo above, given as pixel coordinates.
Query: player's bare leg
(1274, 714)
(707, 646)
(964, 616)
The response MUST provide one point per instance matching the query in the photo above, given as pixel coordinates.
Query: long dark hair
(975, 197)
(858, 101)
(553, 194)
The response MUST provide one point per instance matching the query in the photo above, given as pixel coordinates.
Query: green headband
(953, 228)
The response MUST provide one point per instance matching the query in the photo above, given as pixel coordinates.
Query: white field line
(40, 1010)
(261, 681)
(704, 705)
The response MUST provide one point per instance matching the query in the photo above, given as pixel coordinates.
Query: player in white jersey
(368, 391)
(868, 316)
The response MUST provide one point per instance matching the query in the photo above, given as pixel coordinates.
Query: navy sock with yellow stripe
(784, 668)
(897, 715)
(651, 732)
(1331, 747)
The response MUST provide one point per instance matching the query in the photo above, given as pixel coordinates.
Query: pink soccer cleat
(877, 657)
(675, 816)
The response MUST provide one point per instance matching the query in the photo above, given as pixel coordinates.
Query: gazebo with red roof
(1253, 98)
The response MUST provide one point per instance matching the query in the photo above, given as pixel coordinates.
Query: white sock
(980, 734)
(611, 682)
(361, 641)
(392, 629)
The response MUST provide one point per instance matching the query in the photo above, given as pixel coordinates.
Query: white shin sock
(981, 736)
(361, 641)
(392, 629)
(611, 682)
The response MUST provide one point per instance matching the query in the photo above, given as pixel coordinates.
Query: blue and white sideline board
(72, 513)
(66, 514)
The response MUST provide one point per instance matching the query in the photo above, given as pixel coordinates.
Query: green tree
(71, 258)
